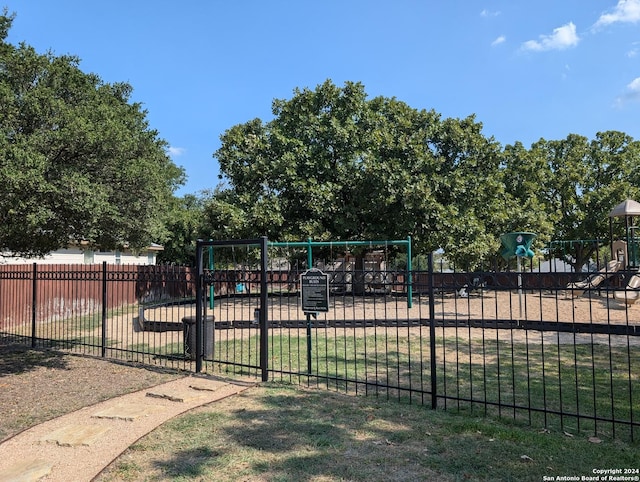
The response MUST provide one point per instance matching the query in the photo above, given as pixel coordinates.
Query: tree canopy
(334, 165)
(184, 225)
(78, 160)
(575, 183)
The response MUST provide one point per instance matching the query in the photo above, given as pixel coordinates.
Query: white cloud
(501, 39)
(634, 85)
(632, 93)
(488, 13)
(561, 38)
(176, 151)
(624, 11)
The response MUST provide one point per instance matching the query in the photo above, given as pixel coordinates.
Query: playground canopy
(626, 208)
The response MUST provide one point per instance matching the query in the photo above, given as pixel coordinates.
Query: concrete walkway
(78, 446)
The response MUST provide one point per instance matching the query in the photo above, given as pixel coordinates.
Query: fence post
(432, 335)
(264, 308)
(199, 306)
(409, 274)
(103, 343)
(34, 300)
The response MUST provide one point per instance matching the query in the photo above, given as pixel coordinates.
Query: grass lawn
(283, 432)
(543, 385)
(279, 432)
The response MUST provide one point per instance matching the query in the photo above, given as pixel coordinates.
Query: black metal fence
(554, 350)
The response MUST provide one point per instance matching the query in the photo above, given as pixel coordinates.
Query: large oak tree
(334, 165)
(78, 160)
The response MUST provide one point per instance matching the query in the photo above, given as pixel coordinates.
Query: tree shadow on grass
(188, 463)
(299, 436)
(312, 435)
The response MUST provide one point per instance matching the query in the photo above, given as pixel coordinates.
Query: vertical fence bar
(103, 341)
(309, 354)
(212, 301)
(199, 307)
(309, 266)
(264, 300)
(34, 301)
(432, 334)
(409, 274)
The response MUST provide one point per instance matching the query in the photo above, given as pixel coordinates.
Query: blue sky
(527, 70)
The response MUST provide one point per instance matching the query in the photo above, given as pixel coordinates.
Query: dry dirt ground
(40, 385)
(126, 331)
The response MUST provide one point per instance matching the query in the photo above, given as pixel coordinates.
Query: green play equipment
(517, 244)
(309, 244)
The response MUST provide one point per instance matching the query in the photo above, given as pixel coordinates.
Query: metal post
(519, 268)
(309, 266)
(432, 335)
(211, 288)
(199, 307)
(409, 274)
(309, 343)
(104, 309)
(34, 301)
(264, 300)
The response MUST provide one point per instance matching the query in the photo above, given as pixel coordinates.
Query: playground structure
(579, 287)
(519, 245)
(366, 273)
(615, 265)
(625, 259)
(629, 210)
(632, 293)
(235, 276)
(343, 268)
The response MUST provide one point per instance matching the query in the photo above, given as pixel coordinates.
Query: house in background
(81, 255)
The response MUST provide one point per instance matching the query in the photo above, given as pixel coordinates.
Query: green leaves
(79, 160)
(333, 164)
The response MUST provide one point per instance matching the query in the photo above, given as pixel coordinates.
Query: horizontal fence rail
(553, 350)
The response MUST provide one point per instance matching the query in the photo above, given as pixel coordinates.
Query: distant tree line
(335, 165)
(78, 161)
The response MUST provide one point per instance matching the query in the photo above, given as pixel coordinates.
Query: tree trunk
(358, 283)
(580, 256)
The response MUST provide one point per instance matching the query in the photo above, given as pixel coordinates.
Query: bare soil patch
(38, 385)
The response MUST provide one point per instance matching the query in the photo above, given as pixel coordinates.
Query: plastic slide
(595, 279)
(632, 293)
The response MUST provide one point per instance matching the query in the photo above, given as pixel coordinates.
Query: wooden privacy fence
(49, 292)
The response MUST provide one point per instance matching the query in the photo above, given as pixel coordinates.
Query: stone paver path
(78, 446)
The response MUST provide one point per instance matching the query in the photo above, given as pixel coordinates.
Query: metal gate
(231, 305)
